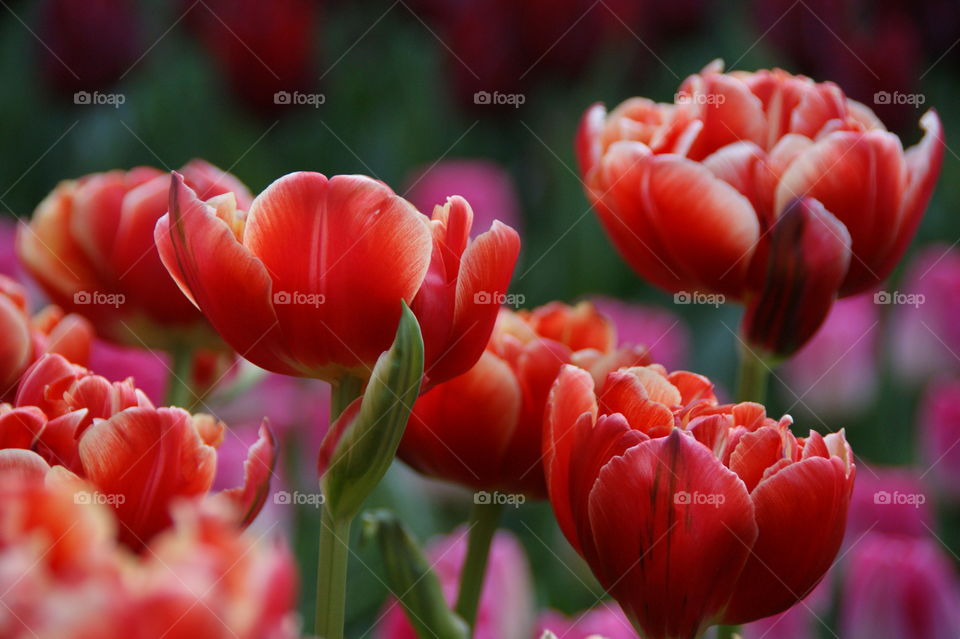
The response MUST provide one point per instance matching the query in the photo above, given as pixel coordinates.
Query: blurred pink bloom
(506, 604)
(9, 265)
(664, 334)
(899, 588)
(926, 336)
(836, 372)
(802, 621)
(487, 186)
(605, 620)
(118, 363)
(893, 501)
(940, 434)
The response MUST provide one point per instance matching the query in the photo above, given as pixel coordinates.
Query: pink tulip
(506, 604)
(889, 500)
(940, 434)
(664, 334)
(488, 187)
(799, 622)
(836, 372)
(605, 620)
(926, 335)
(900, 588)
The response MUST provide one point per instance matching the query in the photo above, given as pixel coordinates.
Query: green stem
(753, 376)
(727, 632)
(334, 537)
(332, 576)
(483, 524)
(179, 392)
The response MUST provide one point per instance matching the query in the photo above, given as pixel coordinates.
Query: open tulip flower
(691, 513)
(483, 428)
(24, 339)
(90, 246)
(69, 422)
(766, 187)
(309, 281)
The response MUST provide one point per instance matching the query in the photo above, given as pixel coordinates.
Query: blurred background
(482, 98)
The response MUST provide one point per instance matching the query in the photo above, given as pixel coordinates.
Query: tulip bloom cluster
(73, 425)
(689, 512)
(766, 187)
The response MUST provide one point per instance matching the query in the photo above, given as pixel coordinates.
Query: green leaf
(362, 443)
(410, 578)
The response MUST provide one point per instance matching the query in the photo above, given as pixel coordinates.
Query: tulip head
(308, 282)
(738, 520)
(483, 428)
(90, 246)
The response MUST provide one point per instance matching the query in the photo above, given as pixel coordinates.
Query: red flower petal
(257, 471)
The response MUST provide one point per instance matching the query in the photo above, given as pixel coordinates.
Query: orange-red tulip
(90, 246)
(483, 428)
(691, 192)
(691, 513)
(141, 458)
(23, 339)
(309, 281)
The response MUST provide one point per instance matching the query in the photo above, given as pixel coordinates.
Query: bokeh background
(390, 89)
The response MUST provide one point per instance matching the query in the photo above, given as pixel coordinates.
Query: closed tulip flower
(483, 428)
(90, 246)
(766, 187)
(309, 282)
(141, 457)
(691, 513)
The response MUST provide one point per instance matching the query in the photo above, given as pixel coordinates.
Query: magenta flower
(606, 620)
(940, 434)
(893, 501)
(665, 335)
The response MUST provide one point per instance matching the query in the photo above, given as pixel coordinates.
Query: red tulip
(64, 575)
(688, 512)
(310, 281)
(483, 429)
(23, 340)
(707, 194)
(90, 245)
(141, 458)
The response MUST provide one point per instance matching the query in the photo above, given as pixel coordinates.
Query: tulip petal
(16, 346)
(25, 464)
(353, 243)
(673, 529)
(588, 143)
(19, 427)
(624, 393)
(801, 514)
(729, 110)
(222, 278)
(257, 471)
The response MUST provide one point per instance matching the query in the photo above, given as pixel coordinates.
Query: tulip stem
(178, 382)
(753, 376)
(728, 632)
(332, 576)
(483, 524)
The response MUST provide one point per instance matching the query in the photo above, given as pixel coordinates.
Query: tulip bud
(408, 572)
(362, 443)
(804, 261)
